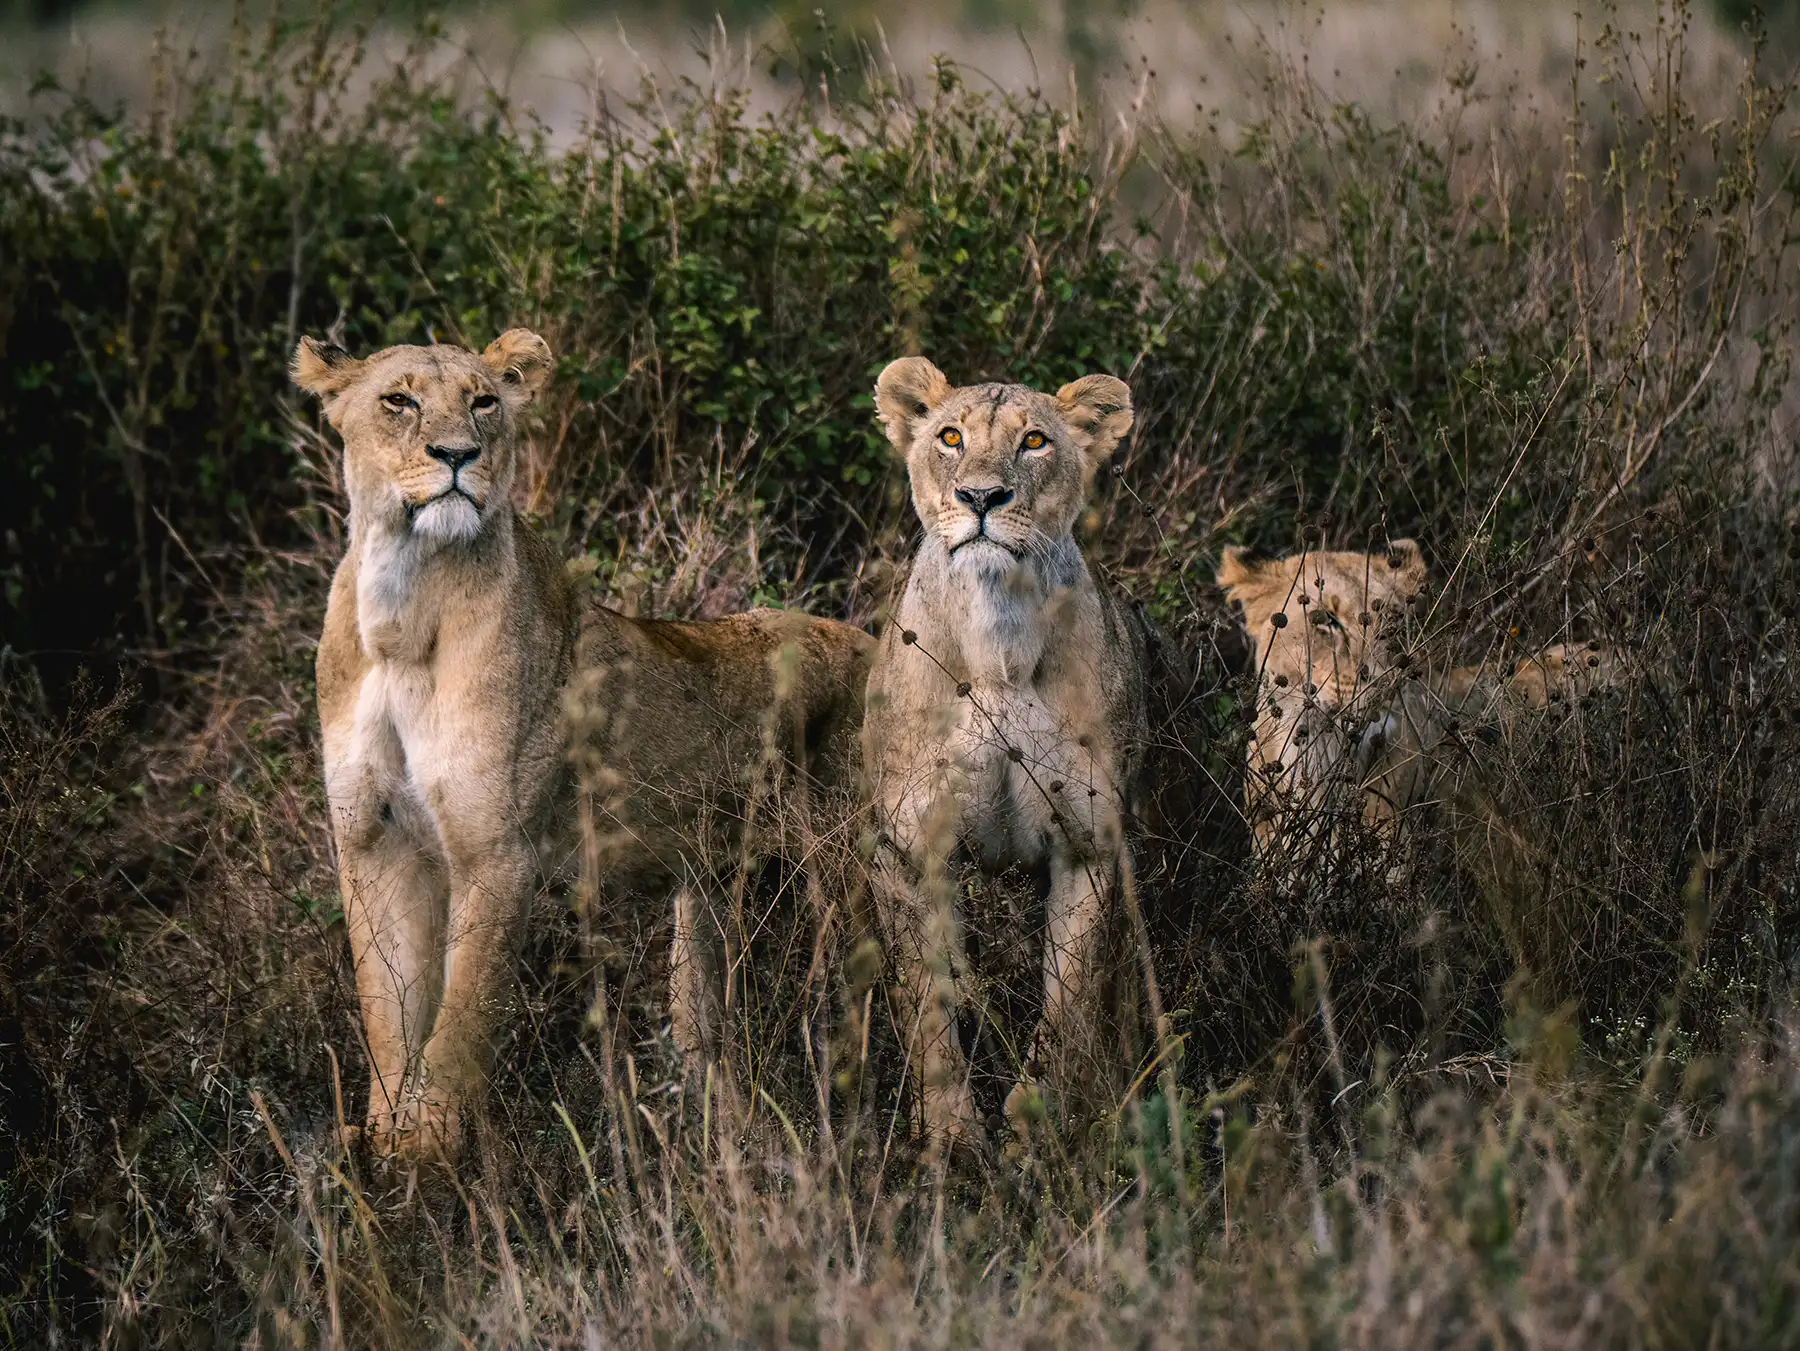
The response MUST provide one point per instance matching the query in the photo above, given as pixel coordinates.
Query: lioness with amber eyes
(1006, 705)
(457, 663)
(1352, 723)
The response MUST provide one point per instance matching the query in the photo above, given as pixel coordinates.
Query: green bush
(711, 280)
(1562, 369)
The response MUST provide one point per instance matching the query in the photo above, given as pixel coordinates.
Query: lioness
(1006, 704)
(457, 658)
(1352, 725)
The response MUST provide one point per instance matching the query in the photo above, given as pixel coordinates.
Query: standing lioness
(448, 695)
(1006, 704)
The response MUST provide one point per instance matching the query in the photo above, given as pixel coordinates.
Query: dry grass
(1561, 364)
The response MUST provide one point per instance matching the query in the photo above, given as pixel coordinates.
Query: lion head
(429, 433)
(1327, 623)
(999, 472)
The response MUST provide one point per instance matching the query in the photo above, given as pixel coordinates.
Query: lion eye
(1034, 440)
(951, 437)
(397, 401)
(482, 402)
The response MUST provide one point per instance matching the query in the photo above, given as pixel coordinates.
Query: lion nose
(454, 456)
(983, 500)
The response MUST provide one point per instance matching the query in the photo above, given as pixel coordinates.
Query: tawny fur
(1354, 723)
(457, 660)
(1006, 704)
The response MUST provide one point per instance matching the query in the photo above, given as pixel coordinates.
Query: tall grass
(1557, 352)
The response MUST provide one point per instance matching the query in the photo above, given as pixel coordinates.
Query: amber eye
(397, 401)
(1034, 440)
(482, 402)
(951, 437)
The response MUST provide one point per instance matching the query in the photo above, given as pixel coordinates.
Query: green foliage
(712, 279)
(1563, 371)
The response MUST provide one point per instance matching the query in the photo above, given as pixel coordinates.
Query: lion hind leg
(697, 997)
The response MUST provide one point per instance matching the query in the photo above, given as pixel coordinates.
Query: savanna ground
(1555, 346)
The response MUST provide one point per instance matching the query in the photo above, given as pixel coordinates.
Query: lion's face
(999, 472)
(1328, 620)
(430, 433)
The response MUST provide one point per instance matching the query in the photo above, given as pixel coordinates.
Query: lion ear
(522, 362)
(1099, 408)
(1240, 565)
(323, 368)
(1406, 563)
(907, 390)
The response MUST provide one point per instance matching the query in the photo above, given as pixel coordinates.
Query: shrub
(1560, 363)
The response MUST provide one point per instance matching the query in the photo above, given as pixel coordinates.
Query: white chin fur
(982, 553)
(448, 519)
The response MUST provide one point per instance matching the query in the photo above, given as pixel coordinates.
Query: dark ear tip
(324, 349)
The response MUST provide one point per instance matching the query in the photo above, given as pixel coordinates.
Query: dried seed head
(908, 637)
(1278, 619)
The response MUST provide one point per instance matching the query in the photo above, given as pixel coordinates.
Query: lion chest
(412, 759)
(378, 755)
(1014, 776)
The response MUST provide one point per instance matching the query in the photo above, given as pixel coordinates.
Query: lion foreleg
(395, 899)
(925, 941)
(490, 894)
(1064, 1046)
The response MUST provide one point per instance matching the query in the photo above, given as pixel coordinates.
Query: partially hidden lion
(1005, 713)
(458, 660)
(1354, 726)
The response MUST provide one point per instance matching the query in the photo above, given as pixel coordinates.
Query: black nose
(983, 500)
(454, 456)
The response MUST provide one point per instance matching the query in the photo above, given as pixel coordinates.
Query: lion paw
(1025, 1109)
(416, 1133)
